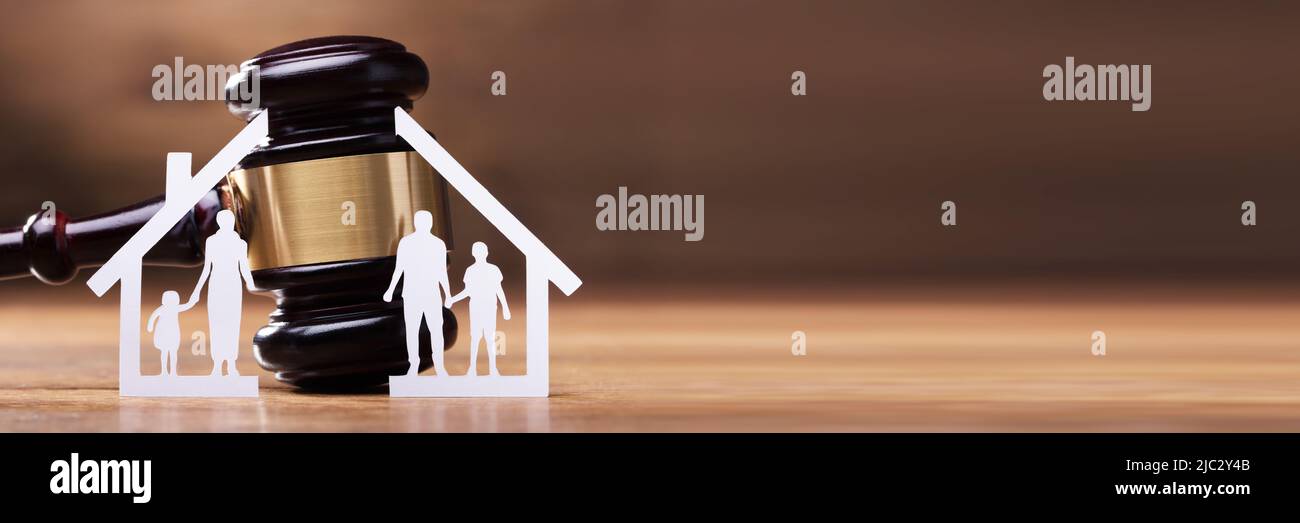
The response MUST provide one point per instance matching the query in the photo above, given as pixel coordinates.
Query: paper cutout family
(421, 266)
(422, 263)
(225, 266)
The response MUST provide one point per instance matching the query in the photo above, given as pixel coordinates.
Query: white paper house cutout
(183, 192)
(542, 268)
(124, 268)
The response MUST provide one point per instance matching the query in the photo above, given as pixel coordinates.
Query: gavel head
(323, 204)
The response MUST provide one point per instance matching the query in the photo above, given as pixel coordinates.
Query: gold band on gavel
(333, 209)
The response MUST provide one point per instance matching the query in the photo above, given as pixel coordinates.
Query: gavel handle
(52, 248)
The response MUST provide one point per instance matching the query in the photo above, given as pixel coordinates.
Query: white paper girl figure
(165, 325)
(225, 262)
(483, 286)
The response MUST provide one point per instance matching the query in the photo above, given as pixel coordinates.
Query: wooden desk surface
(878, 360)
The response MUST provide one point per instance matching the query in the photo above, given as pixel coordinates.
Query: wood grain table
(895, 358)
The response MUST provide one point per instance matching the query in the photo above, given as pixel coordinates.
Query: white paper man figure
(226, 260)
(165, 325)
(422, 261)
(483, 286)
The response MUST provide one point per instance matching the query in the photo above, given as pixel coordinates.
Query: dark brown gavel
(332, 141)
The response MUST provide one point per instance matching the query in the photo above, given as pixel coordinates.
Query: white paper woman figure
(483, 286)
(226, 260)
(422, 261)
(165, 325)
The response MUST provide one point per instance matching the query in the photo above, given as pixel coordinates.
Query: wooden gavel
(331, 141)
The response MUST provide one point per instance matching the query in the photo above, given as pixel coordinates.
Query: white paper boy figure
(483, 286)
(165, 325)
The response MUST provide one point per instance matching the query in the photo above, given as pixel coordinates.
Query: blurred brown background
(909, 104)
